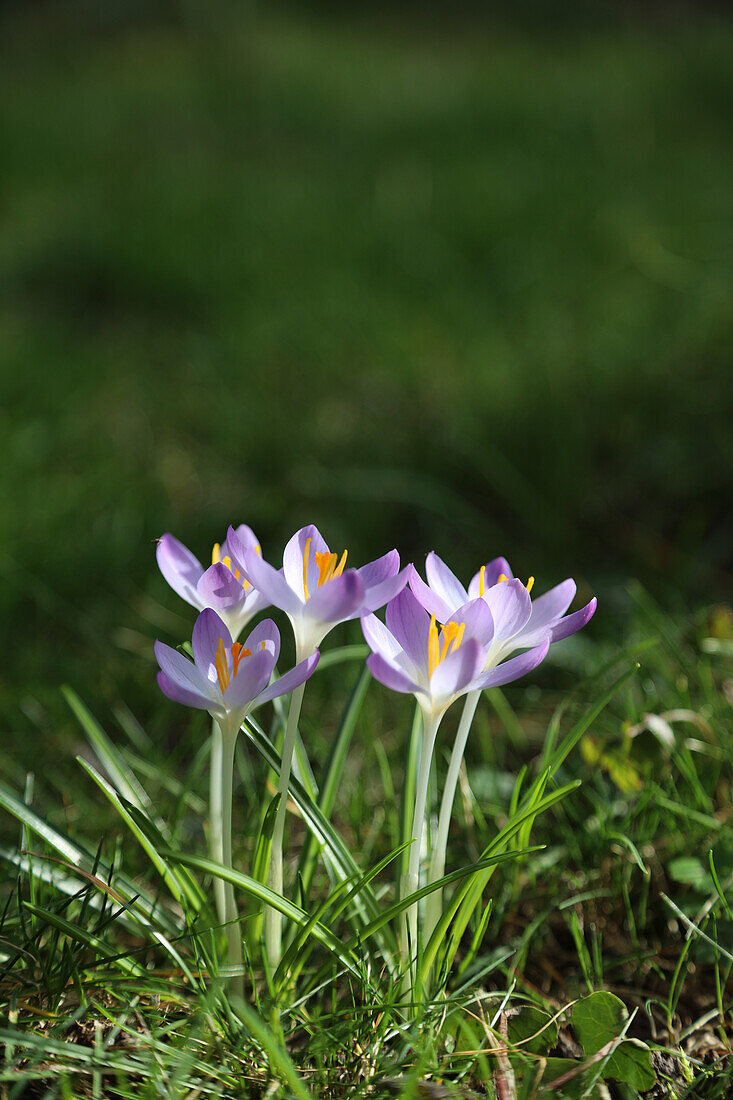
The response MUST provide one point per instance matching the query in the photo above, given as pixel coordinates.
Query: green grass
(461, 285)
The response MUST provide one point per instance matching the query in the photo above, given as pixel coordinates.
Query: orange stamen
(306, 553)
(530, 583)
(222, 668)
(238, 653)
(482, 581)
(502, 577)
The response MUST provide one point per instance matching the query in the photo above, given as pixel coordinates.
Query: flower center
(226, 560)
(452, 638)
(222, 665)
(328, 564)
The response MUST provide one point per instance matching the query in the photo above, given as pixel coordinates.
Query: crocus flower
(519, 621)
(225, 678)
(314, 588)
(412, 654)
(221, 586)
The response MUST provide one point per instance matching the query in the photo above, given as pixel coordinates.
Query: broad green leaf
(599, 1019)
(532, 1030)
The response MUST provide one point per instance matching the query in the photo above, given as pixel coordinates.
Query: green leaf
(532, 1030)
(599, 1019)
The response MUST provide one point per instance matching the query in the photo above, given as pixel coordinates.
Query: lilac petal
(180, 568)
(246, 539)
(219, 588)
(270, 583)
(374, 572)
(182, 672)
(551, 605)
(513, 668)
(380, 594)
(293, 559)
(409, 622)
(252, 676)
(182, 695)
(510, 606)
(208, 631)
(265, 635)
(429, 598)
(479, 622)
(571, 623)
(378, 638)
(337, 599)
(391, 677)
(458, 669)
(492, 571)
(444, 581)
(292, 679)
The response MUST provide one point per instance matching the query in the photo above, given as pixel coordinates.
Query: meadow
(433, 283)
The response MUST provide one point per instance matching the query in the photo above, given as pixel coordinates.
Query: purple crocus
(220, 587)
(225, 678)
(412, 654)
(314, 588)
(519, 621)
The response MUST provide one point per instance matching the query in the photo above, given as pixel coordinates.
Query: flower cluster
(440, 641)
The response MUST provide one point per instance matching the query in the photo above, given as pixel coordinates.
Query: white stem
(233, 930)
(410, 948)
(215, 813)
(273, 918)
(434, 901)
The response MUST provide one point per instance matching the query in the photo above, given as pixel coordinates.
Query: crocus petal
(180, 568)
(265, 632)
(444, 581)
(390, 676)
(219, 588)
(293, 559)
(292, 679)
(510, 606)
(182, 695)
(181, 671)
(380, 594)
(513, 668)
(246, 538)
(374, 572)
(478, 620)
(458, 669)
(551, 605)
(269, 582)
(574, 622)
(378, 638)
(208, 631)
(252, 676)
(409, 622)
(337, 599)
(429, 598)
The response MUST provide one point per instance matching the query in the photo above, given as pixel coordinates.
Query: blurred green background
(436, 277)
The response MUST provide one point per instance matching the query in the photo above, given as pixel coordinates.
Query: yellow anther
(306, 553)
(216, 554)
(482, 581)
(530, 583)
(502, 577)
(433, 651)
(327, 567)
(452, 638)
(222, 668)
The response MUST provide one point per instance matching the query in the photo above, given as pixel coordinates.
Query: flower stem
(434, 901)
(410, 947)
(273, 919)
(233, 929)
(215, 813)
